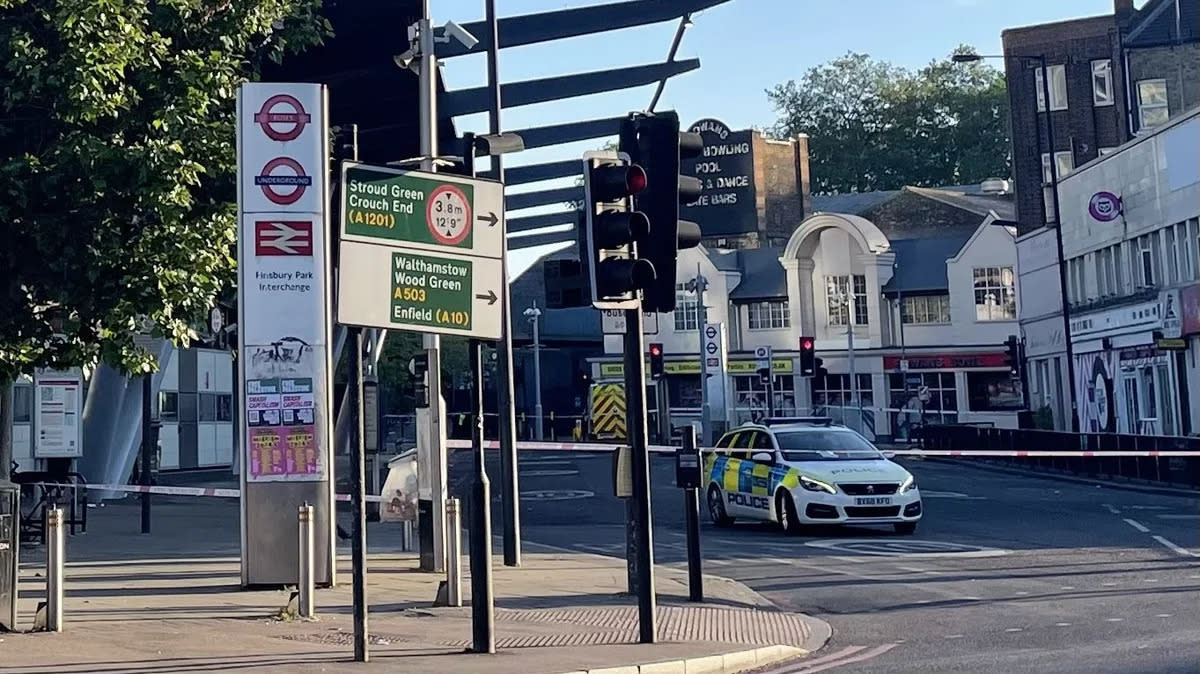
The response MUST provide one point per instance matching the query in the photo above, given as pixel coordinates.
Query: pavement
(169, 601)
(1007, 572)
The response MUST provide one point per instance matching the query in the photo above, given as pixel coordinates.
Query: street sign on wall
(283, 282)
(613, 322)
(420, 251)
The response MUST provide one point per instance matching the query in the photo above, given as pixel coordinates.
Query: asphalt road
(1007, 573)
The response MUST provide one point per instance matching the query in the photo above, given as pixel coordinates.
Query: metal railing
(1162, 469)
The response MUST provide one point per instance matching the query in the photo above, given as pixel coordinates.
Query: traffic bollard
(453, 553)
(406, 536)
(305, 602)
(54, 570)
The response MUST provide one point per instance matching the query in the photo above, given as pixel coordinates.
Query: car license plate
(873, 500)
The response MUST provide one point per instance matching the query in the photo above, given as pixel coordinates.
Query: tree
(118, 162)
(875, 126)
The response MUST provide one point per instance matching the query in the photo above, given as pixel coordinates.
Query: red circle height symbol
(453, 193)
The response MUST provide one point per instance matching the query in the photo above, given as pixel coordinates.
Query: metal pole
(706, 430)
(635, 368)
(305, 518)
(850, 309)
(691, 508)
(510, 488)
(358, 536)
(435, 428)
(147, 448)
(54, 570)
(453, 553)
(483, 639)
(537, 373)
(1058, 239)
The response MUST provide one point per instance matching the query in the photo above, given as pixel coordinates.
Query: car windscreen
(825, 446)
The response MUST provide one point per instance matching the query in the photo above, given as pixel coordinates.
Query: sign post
(762, 354)
(284, 329)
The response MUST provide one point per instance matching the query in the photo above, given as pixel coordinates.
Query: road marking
(1150, 580)
(1015, 629)
(1112, 509)
(1062, 624)
(1109, 584)
(917, 549)
(1137, 525)
(1178, 517)
(1022, 593)
(1114, 620)
(953, 636)
(1175, 548)
(951, 494)
(845, 652)
(1163, 615)
(858, 657)
(548, 473)
(556, 494)
(1067, 587)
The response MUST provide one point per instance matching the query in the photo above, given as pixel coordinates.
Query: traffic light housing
(613, 230)
(655, 142)
(1012, 355)
(808, 357)
(657, 367)
(764, 376)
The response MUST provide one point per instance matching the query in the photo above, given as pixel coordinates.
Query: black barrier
(1107, 464)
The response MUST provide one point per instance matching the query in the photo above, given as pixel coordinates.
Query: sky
(745, 47)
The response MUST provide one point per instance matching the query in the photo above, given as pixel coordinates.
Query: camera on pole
(655, 142)
(613, 230)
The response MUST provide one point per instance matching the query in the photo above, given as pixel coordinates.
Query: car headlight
(816, 485)
(909, 484)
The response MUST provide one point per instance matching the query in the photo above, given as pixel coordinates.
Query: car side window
(762, 441)
(726, 441)
(741, 445)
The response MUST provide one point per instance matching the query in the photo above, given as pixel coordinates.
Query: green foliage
(875, 126)
(118, 162)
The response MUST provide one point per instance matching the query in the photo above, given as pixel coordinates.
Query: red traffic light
(655, 349)
(635, 179)
(806, 343)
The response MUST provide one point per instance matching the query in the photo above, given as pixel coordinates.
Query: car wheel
(906, 528)
(716, 507)
(785, 512)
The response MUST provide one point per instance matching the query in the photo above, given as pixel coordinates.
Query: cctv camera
(405, 60)
(459, 33)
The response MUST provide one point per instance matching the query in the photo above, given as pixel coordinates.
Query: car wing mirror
(762, 457)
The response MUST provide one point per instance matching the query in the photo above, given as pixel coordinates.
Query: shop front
(926, 389)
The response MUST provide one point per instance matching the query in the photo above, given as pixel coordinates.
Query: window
(995, 299)
(1102, 89)
(1147, 260)
(769, 315)
(1152, 103)
(22, 404)
(1172, 271)
(991, 391)
(920, 398)
(687, 309)
(208, 407)
(1101, 274)
(168, 406)
(1187, 251)
(837, 296)
(1065, 163)
(1058, 88)
(761, 441)
(831, 396)
(751, 396)
(225, 407)
(926, 309)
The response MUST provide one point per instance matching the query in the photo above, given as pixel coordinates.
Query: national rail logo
(283, 237)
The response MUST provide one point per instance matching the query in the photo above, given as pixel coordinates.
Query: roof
(978, 203)
(854, 203)
(763, 277)
(921, 263)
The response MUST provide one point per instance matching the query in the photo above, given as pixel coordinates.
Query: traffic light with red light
(657, 367)
(613, 230)
(655, 142)
(808, 357)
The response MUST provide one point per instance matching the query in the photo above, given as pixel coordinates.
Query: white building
(1130, 239)
(944, 260)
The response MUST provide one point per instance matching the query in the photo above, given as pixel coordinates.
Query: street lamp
(534, 315)
(1040, 59)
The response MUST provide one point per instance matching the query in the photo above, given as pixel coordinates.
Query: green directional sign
(422, 209)
(431, 291)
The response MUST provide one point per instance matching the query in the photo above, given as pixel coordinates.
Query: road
(1006, 573)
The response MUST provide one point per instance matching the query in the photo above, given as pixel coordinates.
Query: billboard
(729, 203)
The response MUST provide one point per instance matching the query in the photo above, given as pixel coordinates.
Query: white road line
(1175, 548)
(1114, 620)
(953, 636)
(865, 655)
(1150, 580)
(1109, 584)
(845, 652)
(1137, 525)
(1163, 615)
(1015, 629)
(1022, 593)
(1062, 624)
(1112, 509)
(1067, 587)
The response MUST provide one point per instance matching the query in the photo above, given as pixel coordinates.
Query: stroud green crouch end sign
(420, 251)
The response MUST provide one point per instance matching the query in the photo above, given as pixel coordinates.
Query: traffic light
(764, 376)
(655, 142)
(657, 368)
(613, 230)
(1012, 355)
(808, 356)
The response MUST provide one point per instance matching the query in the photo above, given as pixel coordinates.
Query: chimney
(1122, 9)
(803, 176)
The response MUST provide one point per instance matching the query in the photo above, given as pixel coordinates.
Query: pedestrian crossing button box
(687, 467)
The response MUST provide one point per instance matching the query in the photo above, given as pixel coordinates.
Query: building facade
(1132, 248)
(915, 294)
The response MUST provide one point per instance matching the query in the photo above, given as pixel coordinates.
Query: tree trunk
(6, 429)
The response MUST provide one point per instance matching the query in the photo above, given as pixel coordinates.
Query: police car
(805, 470)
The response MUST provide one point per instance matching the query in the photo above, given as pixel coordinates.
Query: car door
(738, 461)
(755, 476)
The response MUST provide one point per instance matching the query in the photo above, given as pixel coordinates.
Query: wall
(1178, 65)
(991, 246)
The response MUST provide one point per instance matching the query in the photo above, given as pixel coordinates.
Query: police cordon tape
(182, 491)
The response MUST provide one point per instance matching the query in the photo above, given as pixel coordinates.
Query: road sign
(613, 322)
(763, 355)
(420, 251)
(418, 209)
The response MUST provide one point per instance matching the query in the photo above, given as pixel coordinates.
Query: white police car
(804, 471)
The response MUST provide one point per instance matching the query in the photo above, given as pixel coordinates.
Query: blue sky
(745, 47)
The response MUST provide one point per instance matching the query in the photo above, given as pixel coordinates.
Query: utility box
(687, 461)
(10, 533)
